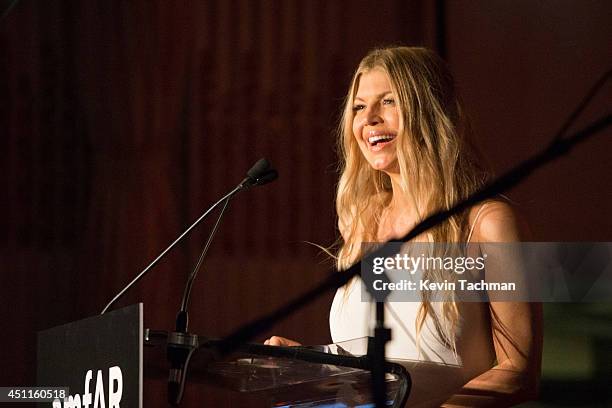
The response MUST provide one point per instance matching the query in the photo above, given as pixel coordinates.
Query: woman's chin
(383, 164)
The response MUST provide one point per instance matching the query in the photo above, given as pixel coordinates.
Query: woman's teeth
(374, 140)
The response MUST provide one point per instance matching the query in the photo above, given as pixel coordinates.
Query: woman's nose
(372, 116)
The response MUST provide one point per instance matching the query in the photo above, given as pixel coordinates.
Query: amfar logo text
(115, 389)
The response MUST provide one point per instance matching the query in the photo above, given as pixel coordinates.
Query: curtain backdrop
(122, 121)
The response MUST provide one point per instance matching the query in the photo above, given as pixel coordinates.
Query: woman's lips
(378, 142)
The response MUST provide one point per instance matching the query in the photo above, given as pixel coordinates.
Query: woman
(404, 156)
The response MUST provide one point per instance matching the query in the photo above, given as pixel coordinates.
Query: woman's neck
(402, 202)
(400, 215)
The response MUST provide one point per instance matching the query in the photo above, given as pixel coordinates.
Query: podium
(108, 357)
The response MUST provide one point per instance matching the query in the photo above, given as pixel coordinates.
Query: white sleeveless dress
(351, 318)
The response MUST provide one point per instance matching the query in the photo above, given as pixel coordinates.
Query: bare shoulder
(498, 221)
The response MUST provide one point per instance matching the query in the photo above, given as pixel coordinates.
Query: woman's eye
(358, 108)
(388, 101)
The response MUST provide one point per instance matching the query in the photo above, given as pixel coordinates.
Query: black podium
(107, 358)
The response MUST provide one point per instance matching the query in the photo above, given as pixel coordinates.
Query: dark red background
(122, 121)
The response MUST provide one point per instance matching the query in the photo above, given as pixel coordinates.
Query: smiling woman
(376, 119)
(404, 155)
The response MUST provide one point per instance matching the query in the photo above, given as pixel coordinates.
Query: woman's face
(376, 120)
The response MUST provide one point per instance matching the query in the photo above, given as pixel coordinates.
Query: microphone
(261, 173)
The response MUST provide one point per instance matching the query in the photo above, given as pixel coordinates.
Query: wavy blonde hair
(437, 166)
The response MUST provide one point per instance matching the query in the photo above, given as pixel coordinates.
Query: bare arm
(516, 329)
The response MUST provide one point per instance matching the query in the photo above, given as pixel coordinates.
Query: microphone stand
(181, 344)
(382, 335)
(182, 318)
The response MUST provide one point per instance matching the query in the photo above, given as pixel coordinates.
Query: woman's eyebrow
(380, 95)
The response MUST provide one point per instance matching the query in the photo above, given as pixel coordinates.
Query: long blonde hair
(437, 166)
